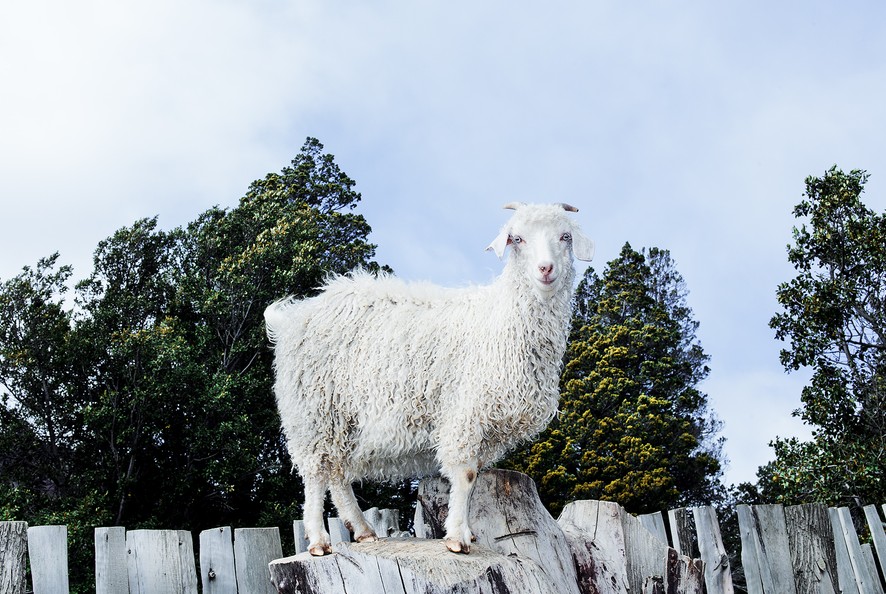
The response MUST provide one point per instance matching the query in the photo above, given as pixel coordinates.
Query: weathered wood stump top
(595, 548)
(405, 565)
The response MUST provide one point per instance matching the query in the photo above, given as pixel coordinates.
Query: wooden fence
(785, 550)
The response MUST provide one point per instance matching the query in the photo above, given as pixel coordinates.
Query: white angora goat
(380, 379)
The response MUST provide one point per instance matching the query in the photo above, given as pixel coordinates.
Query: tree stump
(519, 548)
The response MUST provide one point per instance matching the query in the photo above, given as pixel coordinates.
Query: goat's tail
(276, 317)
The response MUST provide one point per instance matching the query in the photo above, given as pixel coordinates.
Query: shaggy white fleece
(380, 379)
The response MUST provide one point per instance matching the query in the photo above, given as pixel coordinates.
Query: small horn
(568, 207)
(513, 205)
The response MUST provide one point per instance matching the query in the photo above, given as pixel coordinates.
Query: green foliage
(834, 320)
(633, 427)
(149, 403)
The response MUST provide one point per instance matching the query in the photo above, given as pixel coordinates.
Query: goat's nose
(546, 269)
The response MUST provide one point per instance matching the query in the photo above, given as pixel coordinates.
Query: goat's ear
(582, 246)
(499, 244)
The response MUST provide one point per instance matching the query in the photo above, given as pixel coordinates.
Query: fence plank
(385, 522)
(645, 556)
(654, 523)
(812, 549)
(845, 575)
(684, 537)
(254, 549)
(48, 553)
(765, 551)
(750, 549)
(298, 532)
(110, 561)
(13, 560)
(217, 570)
(877, 534)
(161, 561)
(595, 535)
(337, 531)
(857, 569)
(867, 555)
(420, 525)
(717, 571)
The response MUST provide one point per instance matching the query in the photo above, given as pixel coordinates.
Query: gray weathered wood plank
(878, 535)
(218, 572)
(110, 561)
(596, 539)
(337, 531)
(865, 582)
(160, 562)
(654, 523)
(254, 548)
(421, 528)
(765, 553)
(48, 554)
(13, 557)
(385, 522)
(717, 570)
(812, 549)
(298, 533)
(845, 576)
(646, 555)
(867, 555)
(684, 536)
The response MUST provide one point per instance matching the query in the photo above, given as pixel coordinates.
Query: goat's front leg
(462, 478)
(315, 493)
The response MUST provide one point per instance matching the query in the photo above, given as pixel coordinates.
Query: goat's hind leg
(346, 503)
(462, 479)
(319, 543)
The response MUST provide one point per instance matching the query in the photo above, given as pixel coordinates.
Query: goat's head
(543, 240)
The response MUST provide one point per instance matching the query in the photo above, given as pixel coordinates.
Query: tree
(834, 320)
(633, 426)
(35, 372)
(149, 403)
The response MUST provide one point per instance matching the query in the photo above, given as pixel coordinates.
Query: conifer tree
(633, 426)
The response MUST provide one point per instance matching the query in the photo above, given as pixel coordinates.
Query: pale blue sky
(688, 126)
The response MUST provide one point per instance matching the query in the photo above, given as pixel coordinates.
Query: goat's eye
(516, 239)
(566, 237)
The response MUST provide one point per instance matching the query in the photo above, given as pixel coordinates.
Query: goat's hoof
(367, 537)
(473, 537)
(457, 546)
(319, 550)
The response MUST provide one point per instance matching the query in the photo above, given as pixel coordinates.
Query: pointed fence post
(717, 570)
